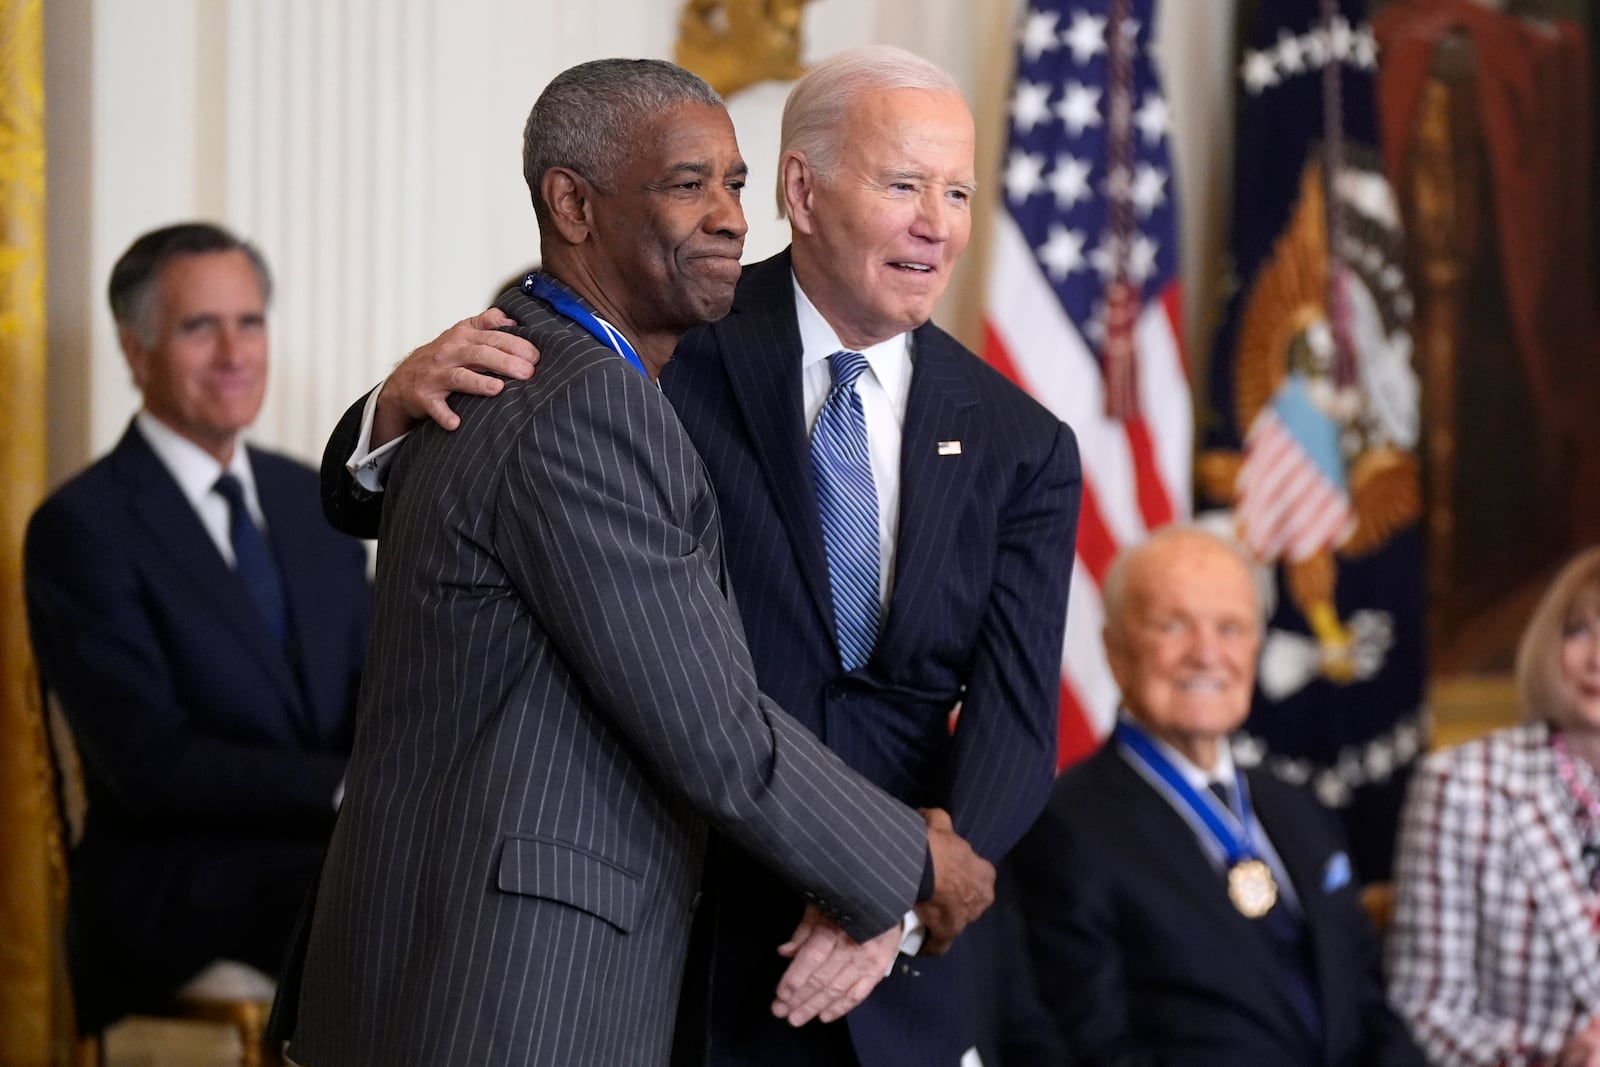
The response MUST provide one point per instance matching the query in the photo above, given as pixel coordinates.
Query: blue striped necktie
(841, 467)
(252, 560)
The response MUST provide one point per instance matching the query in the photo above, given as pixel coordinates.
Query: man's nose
(1205, 646)
(933, 221)
(727, 215)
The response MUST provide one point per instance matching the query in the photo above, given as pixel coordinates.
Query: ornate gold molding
(734, 44)
(33, 1014)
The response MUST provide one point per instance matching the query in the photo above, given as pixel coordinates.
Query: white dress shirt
(883, 394)
(196, 472)
(1200, 781)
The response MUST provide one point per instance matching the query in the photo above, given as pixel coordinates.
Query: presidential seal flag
(1311, 445)
(1082, 299)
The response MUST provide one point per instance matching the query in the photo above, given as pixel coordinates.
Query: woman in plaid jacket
(1494, 954)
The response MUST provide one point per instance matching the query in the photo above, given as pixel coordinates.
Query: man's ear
(799, 183)
(1116, 653)
(133, 350)
(570, 199)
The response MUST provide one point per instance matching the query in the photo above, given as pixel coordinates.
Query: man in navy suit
(976, 490)
(1178, 910)
(202, 629)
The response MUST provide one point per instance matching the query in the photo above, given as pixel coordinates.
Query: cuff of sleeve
(368, 465)
(912, 933)
(925, 887)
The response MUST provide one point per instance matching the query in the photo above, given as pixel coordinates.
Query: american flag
(1293, 499)
(1083, 298)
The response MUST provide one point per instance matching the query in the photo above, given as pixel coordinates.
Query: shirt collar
(1224, 771)
(194, 469)
(890, 360)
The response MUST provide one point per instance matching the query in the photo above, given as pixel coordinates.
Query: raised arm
(473, 357)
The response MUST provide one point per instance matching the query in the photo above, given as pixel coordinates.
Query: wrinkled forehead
(1195, 576)
(689, 132)
(915, 121)
(204, 278)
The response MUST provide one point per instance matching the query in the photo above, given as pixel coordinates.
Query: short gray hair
(814, 112)
(132, 289)
(587, 118)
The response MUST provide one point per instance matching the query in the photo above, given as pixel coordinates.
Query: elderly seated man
(203, 630)
(1179, 909)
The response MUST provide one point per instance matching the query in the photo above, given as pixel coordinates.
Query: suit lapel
(939, 408)
(1547, 837)
(1189, 871)
(760, 349)
(1303, 858)
(159, 507)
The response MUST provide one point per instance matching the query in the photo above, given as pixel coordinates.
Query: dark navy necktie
(252, 560)
(1287, 936)
(841, 467)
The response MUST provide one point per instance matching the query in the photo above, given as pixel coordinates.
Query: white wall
(372, 149)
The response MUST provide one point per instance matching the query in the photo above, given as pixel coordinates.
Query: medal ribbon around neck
(567, 305)
(1235, 838)
(1251, 886)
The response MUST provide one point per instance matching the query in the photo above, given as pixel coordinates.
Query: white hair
(814, 112)
(1114, 590)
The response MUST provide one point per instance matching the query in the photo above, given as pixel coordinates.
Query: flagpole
(1344, 365)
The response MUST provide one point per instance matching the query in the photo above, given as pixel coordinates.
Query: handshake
(830, 972)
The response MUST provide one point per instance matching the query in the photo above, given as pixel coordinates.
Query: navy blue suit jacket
(1141, 959)
(982, 567)
(210, 756)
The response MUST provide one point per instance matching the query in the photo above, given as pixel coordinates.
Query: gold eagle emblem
(1286, 330)
(734, 44)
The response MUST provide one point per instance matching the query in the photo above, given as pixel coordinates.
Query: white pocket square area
(1336, 875)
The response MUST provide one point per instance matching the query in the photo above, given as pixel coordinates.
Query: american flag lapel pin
(949, 448)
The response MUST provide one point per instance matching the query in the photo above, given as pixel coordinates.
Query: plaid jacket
(1493, 956)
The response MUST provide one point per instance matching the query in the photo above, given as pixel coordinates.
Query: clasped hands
(830, 972)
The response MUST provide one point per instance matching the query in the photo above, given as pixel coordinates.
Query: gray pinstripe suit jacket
(558, 697)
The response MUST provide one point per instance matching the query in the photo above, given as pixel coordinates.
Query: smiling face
(201, 359)
(669, 235)
(876, 238)
(1184, 650)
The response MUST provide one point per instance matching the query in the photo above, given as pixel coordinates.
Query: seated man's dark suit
(984, 557)
(1141, 958)
(211, 753)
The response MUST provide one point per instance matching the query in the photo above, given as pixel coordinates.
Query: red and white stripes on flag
(1288, 507)
(1075, 178)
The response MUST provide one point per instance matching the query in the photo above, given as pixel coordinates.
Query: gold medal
(1251, 888)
